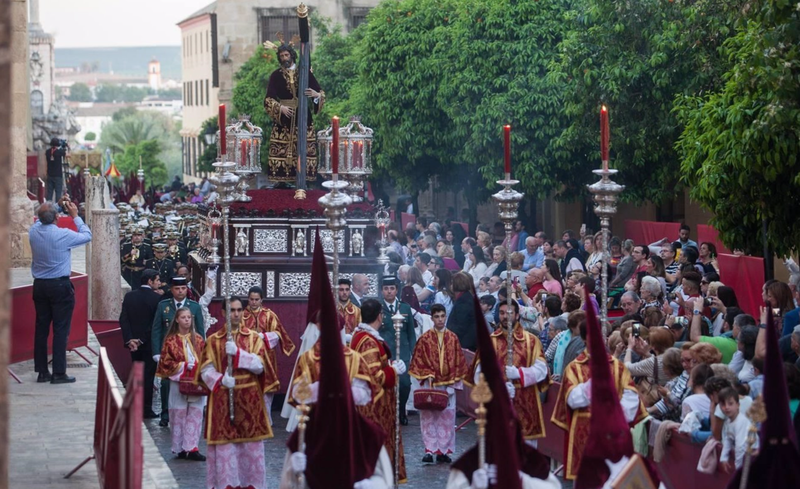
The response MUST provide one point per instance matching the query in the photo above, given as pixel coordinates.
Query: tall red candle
(604, 135)
(244, 153)
(507, 134)
(222, 136)
(335, 148)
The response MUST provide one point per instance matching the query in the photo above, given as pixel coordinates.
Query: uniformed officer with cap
(162, 264)
(164, 314)
(408, 337)
(135, 254)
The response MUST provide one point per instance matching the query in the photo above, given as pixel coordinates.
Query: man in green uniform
(164, 314)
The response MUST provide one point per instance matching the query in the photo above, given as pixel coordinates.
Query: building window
(199, 94)
(278, 20)
(358, 15)
(208, 93)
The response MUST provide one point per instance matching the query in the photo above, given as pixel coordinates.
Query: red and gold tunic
(351, 314)
(383, 407)
(438, 358)
(174, 352)
(264, 320)
(250, 413)
(576, 422)
(527, 403)
(308, 365)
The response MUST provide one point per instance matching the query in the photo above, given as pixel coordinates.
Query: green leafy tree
(740, 147)
(155, 170)
(90, 136)
(636, 58)
(80, 92)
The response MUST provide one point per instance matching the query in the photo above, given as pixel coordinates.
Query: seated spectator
(197, 197)
(498, 264)
(448, 258)
(625, 268)
(517, 275)
(721, 298)
(549, 310)
(577, 343)
(726, 346)
(705, 353)
(483, 287)
(756, 385)
(651, 292)
(676, 390)
(698, 401)
(738, 322)
(746, 344)
(533, 281)
(588, 285)
(652, 317)
(650, 353)
(487, 306)
(734, 430)
(477, 264)
(552, 277)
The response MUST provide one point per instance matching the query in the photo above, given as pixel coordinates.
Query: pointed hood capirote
(609, 433)
(505, 446)
(341, 445)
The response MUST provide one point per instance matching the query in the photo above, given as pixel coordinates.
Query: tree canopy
(149, 151)
(739, 148)
(80, 92)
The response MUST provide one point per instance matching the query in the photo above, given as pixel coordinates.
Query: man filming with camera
(55, 168)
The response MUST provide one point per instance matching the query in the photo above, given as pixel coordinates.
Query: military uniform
(134, 258)
(177, 252)
(165, 268)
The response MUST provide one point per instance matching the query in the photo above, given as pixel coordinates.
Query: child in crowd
(487, 306)
(483, 286)
(439, 363)
(734, 430)
(179, 363)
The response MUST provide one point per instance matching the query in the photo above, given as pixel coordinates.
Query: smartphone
(637, 330)
(544, 297)
(776, 311)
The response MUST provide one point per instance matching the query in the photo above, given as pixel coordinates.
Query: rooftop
(208, 9)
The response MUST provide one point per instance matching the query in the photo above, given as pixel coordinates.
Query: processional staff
(302, 394)
(481, 395)
(397, 319)
(302, 104)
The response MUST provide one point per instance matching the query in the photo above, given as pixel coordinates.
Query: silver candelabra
(335, 203)
(605, 205)
(507, 203)
(381, 222)
(226, 182)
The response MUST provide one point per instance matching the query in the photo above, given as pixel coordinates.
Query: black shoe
(196, 456)
(404, 420)
(44, 377)
(427, 459)
(182, 456)
(164, 423)
(62, 379)
(443, 459)
(150, 415)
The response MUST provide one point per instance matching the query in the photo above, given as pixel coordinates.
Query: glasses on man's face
(704, 282)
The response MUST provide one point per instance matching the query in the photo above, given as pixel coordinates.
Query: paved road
(420, 476)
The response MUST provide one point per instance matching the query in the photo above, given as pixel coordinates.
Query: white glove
(365, 484)
(450, 391)
(156, 358)
(512, 373)
(230, 348)
(271, 339)
(587, 390)
(298, 461)
(512, 391)
(228, 381)
(399, 367)
(348, 338)
(190, 364)
(480, 479)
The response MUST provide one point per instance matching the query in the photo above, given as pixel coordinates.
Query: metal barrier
(118, 449)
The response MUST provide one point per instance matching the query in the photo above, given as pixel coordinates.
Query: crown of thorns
(283, 44)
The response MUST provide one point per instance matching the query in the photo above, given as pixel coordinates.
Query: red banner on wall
(646, 232)
(745, 274)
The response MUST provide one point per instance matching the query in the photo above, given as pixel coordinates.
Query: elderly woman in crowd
(651, 292)
(567, 345)
(650, 353)
(448, 257)
(676, 390)
(498, 264)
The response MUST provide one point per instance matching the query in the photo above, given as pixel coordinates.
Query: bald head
(47, 213)
(360, 284)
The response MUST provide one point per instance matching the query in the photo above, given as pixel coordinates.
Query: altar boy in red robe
(439, 363)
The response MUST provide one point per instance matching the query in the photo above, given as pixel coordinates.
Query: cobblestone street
(420, 476)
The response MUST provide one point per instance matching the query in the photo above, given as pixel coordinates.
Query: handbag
(188, 387)
(430, 400)
(648, 391)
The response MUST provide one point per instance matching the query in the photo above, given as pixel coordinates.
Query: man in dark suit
(164, 313)
(136, 320)
(359, 288)
(408, 337)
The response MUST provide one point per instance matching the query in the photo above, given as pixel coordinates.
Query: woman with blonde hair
(179, 362)
(498, 264)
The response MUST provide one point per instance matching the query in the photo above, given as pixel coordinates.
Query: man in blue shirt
(53, 293)
(534, 255)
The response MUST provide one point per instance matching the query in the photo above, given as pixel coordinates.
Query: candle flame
(604, 108)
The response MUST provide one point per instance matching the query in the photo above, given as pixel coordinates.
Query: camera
(708, 302)
(62, 144)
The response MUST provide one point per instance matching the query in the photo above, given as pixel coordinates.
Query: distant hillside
(124, 61)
